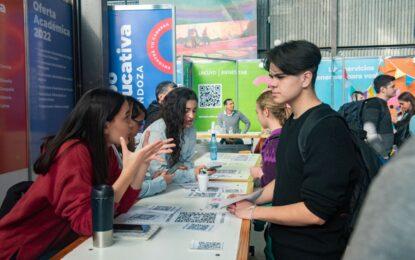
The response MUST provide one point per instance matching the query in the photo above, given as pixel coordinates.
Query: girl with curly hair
(178, 113)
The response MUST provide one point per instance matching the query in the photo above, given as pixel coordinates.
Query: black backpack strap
(313, 119)
(274, 137)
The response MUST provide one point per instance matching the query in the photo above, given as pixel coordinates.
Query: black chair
(14, 193)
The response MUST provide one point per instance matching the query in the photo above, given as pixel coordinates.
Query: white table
(172, 241)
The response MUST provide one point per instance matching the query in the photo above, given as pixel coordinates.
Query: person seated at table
(271, 116)
(153, 110)
(57, 207)
(229, 122)
(138, 113)
(178, 113)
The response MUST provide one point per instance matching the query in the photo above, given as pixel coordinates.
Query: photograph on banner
(13, 126)
(212, 29)
(140, 50)
(51, 96)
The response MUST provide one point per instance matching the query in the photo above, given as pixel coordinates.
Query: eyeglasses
(139, 123)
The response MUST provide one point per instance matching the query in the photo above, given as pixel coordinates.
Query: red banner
(13, 130)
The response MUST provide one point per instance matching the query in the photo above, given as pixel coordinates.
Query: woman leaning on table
(56, 209)
(178, 113)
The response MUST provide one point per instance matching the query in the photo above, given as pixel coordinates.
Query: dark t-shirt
(376, 111)
(323, 182)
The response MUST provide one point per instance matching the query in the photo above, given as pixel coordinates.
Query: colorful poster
(217, 29)
(403, 69)
(213, 82)
(336, 83)
(51, 85)
(141, 49)
(13, 133)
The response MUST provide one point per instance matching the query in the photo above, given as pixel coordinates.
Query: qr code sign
(210, 95)
(206, 245)
(196, 217)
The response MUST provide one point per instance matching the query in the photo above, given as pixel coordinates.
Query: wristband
(252, 211)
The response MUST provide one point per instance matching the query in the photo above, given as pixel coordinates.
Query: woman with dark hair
(138, 114)
(177, 115)
(407, 103)
(57, 207)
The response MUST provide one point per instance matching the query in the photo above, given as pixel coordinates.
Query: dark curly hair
(173, 111)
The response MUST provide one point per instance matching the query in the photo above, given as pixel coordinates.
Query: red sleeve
(71, 196)
(130, 196)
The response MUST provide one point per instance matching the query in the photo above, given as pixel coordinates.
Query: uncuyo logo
(153, 46)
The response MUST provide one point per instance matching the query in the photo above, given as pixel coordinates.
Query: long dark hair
(87, 123)
(408, 97)
(173, 111)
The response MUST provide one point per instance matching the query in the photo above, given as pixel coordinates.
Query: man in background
(229, 122)
(376, 117)
(153, 110)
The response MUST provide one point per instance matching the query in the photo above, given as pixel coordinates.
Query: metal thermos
(102, 203)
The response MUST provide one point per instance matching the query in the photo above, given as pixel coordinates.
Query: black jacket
(153, 113)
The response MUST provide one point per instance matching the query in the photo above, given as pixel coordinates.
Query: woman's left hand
(142, 157)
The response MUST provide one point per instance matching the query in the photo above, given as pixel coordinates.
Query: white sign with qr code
(210, 95)
(206, 245)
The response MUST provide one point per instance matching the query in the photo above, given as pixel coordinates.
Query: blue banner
(51, 86)
(338, 78)
(140, 50)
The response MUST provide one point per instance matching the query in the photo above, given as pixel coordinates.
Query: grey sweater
(226, 122)
(386, 226)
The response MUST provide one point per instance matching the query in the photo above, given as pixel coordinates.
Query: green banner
(216, 81)
(213, 82)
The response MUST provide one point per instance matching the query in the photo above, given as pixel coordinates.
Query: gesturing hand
(144, 155)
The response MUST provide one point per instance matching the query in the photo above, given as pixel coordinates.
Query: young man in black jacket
(310, 193)
(377, 121)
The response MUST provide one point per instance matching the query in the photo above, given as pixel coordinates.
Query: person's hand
(142, 157)
(199, 168)
(168, 178)
(210, 172)
(183, 167)
(166, 147)
(158, 173)
(242, 209)
(256, 172)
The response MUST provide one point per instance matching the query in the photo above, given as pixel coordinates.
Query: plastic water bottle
(213, 147)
